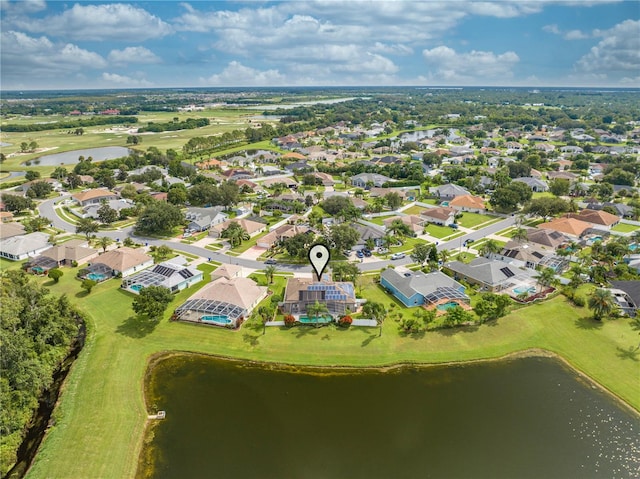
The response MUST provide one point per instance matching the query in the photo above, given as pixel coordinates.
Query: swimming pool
(633, 246)
(318, 320)
(221, 320)
(96, 277)
(524, 289)
(136, 287)
(446, 306)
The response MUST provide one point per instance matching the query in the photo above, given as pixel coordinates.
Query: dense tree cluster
(36, 333)
(188, 124)
(77, 123)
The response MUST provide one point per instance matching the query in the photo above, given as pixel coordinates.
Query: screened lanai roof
(100, 268)
(167, 274)
(446, 292)
(211, 307)
(42, 262)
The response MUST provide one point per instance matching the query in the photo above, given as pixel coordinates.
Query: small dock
(158, 415)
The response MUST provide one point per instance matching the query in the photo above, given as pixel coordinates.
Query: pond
(526, 418)
(71, 157)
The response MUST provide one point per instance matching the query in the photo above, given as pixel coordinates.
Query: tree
(393, 200)
(16, 204)
(546, 277)
(104, 243)
(375, 311)
(335, 205)
(269, 272)
(399, 228)
(316, 310)
(162, 252)
(32, 175)
(456, 315)
(343, 271)
(343, 236)
(60, 173)
(546, 206)
(106, 214)
(88, 284)
(35, 223)
(159, 217)
(235, 234)
(559, 187)
(297, 245)
(87, 226)
(492, 306)
(152, 301)
(39, 189)
(264, 313)
(55, 274)
(129, 191)
(421, 253)
(602, 304)
(520, 234)
(489, 247)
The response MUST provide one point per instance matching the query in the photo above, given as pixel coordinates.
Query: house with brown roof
(441, 215)
(545, 237)
(8, 230)
(94, 196)
(569, 226)
(6, 216)
(300, 293)
(414, 222)
(252, 228)
(227, 271)
(224, 302)
(281, 233)
(121, 261)
(325, 178)
(470, 203)
(598, 218)
(70, 252)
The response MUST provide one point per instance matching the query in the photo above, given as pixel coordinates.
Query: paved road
(46, 209)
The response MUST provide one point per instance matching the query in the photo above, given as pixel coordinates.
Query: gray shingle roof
(418, 282)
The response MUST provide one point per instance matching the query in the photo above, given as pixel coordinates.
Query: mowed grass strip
(102, 414)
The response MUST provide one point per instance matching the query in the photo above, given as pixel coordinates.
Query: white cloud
(575, 35)
(36, 57)
(473, 67)
(394, 49)
(553, 28)
(136, 55)
(619, 51)
(22, 6)
(114, 21)
(236, 74)
(125, 81)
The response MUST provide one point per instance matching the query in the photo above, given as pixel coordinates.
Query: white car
(397, 255)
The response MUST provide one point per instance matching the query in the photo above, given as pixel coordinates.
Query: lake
(71, 157)
(525, 418)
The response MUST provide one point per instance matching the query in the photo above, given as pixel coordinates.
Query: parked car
(270, 261)
(359, 254)
(367, 253)
(397, 255)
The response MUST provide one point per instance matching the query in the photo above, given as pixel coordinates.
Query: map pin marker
(319, 259)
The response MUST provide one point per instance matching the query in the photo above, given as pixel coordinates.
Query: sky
(73, 45)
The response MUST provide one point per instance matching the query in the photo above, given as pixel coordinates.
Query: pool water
(633, 246)
(319, 320)
(446, 306)
(224, 320)
(524, 289)
(136, 287)
(96, 277)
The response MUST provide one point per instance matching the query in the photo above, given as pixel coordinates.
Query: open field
(625, 228)
(471, 220)
(102, 414)
(440, 231)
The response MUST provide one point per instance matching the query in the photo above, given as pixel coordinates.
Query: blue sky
(55, 45)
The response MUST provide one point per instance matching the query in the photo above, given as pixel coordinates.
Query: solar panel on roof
(163, 270)
(185, 273)
(507, 272)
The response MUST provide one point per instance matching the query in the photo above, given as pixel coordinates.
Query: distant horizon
(54, 45)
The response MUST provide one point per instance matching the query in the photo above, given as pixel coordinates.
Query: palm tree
(235, 234)
(314, 311)
(444, 255)
(388, 241)
(370, 244)
(87, 226)
(520, 234)
(489, 247)
(546, 277)
(269, 271)
(104, 243)
(602, 304)
(378, 204)
(576, 271)
(375, 311)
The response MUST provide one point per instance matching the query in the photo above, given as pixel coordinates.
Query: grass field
(471, 220)
(625, 228)
(102, 414)
(440, 231)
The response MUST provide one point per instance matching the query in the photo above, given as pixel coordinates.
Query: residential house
(91, 211)
(627, 296)
(571, 227)
(369, 180)
(16, 248)
(414, 222)
(431, 290)
(8, 230)
(237, 174)
(561, 175)
(544, 147)
(490, 275)
(300, 293)
(6, 216)
(547, 237)
(252, 228)
(227, 271)
(201, 219)
(448, 192)
(622, 210)
(224, 302)
(122, 261)
(574, 150)
(94, 196)
(325, 178)
(470, 203)
(173, 274)
(442, 215)
(301, 166)
(530, 255)
(280, 234)
(536, 185)
(598, 218)
(70, 253)
(368, 232)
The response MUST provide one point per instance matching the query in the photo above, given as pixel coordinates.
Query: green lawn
(245, 245)
(440, 231)
(414, 210)
(102, 415)
(625, 228)
(470, 220)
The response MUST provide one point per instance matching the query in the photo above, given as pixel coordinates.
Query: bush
(345, 321)
(579, 301)
(289, 320)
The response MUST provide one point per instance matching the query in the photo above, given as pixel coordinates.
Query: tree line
(77, 123)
